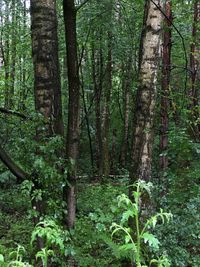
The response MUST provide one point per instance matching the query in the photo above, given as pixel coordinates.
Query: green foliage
(53, 236)
(15, 258)
(141, 232)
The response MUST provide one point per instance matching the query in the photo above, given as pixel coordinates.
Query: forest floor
(95, 214)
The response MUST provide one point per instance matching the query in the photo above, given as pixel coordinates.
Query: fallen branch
(12, 166)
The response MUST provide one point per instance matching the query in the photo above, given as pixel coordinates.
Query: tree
(72, 142)
(164, 106)
(47, 88)
(106, 110)
(194, 67)
(146, 93)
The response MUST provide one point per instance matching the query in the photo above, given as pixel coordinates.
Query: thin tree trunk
(72, 147)
(106, 111)
(97, 73)
(87, 120)
(6, 55)
(146, 93)
(13, 55)
(113, 152)
(194, 66)
(164, 108)
(126, 86)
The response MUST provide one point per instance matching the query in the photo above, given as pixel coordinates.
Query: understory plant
(15, 258)
(137, 231)
(55, 240)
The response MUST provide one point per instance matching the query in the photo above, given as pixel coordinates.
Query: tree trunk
(46, 66)
(6, 57)
(87, 119)
(22, 94)
(72, 146)
(126, 86)
(106, 111)
(97, 73)
(47, 89)
(146, 94)
(164, 108)
(194, 66)
(13, 56)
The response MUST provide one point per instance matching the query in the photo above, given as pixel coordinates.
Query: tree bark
(13, 56)
(164, 106)
(6, 58)
(126, 86)
(72, 144)
(47, 86)
(146, 94)
(97, 74)
(194, 66)
(106, 111)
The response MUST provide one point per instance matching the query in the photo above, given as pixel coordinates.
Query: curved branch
(12, 112)
(12, 166)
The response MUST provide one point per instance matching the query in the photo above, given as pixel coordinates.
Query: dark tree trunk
(194, 66)
(164, 108)
(20, 174)
(72, 146)
(106, 111)
(97, 73)
(126, 86)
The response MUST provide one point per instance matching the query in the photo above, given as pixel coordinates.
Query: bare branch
(81, 5)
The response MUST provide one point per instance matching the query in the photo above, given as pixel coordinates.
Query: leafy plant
(16, 257)
(44, 254)
(136, 239)
(54, 238)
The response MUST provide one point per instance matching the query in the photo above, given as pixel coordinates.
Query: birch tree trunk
(146, 94)
(47, 90)
(46, 66)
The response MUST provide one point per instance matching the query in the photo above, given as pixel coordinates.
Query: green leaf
(127, 239)
(151, 240)
(1, 258)
(126, 215)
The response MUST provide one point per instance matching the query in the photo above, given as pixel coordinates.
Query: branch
(12, 112)
(81, 5)
(12, 166)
